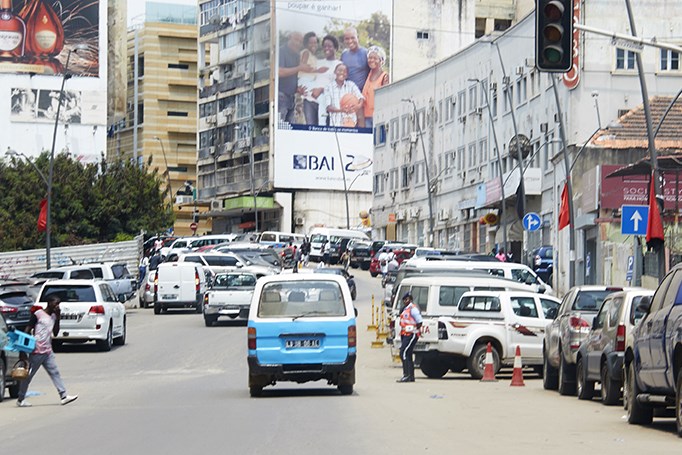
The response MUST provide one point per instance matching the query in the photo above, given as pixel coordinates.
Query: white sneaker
(68, 399)
(23, 404)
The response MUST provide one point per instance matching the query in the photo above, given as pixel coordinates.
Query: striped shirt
(332, 97)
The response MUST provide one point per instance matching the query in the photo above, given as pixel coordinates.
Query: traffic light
(554, 35)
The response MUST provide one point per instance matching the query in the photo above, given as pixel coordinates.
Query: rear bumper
(223, 310)
(300, 372)
(82, 334)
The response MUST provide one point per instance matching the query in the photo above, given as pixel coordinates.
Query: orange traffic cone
(489, 370)
(517, 375)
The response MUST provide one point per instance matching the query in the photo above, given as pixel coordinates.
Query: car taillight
(156, 283)
(147, 287)
(35, 308)
(442, 331)
(620, 338)
(196, 280)
(252, 338)
(352, 336)
(8, 309)
(96, 309)
(577, 323)
(206, 299)
(538, 260)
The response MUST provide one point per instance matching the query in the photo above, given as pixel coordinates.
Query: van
(318, 236)
(206, 240)
(179, 285)
(275, 239)
(509, 270)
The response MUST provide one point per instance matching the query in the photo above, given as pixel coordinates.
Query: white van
(277, 239)
(206, 240)
(318, 236)
(509, 270)
(179, 285)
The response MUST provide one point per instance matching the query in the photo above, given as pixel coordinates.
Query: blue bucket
(20, 342)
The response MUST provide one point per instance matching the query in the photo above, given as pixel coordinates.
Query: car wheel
(121, 340)
(433, 369)
(199, 307)
(157, 308)
(637, 413)
(346, 389)
(476, 361)
(678, 405)
(2, 379)
(566, 382)
(105, 345)
(209, 321)
(549, 374)
(255, 391)
(584, 387)
(610, 389)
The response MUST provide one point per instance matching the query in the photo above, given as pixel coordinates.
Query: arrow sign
(532, 221)
(634, 219)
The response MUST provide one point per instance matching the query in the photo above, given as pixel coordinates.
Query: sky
(136, 7)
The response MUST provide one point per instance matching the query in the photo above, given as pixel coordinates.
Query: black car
(7, 361)
(15, 303)
(339, 271)
(359, 254)
(542, 262)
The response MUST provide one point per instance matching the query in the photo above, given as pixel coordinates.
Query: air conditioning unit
(506, 80)
(493, 86)
(414, 213)
(228, 111)
(216, 205)
(211, 119)
(392, 194)
(224, 20)
(179, 200)
(410, 169)
(479, 111)
(400, 215)
(413, 137)
(519, 70)
(246, 76)
(300, 221)
(229, 146)
(211, 150)
(444, 214)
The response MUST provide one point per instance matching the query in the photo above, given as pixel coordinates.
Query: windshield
(294, 299)
(69, 293)
(590, 300)
(234, 281)
(318, 238)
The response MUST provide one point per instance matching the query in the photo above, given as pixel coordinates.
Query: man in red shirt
(43, 325)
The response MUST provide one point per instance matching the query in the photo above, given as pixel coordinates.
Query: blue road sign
(532, 222)
(634, 219)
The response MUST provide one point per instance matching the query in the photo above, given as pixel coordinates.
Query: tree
(91, 202)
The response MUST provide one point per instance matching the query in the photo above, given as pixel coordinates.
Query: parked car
(7, 361)
(15, 305)
(146, 291)
(359, 253)
(302, 328)
(600, 357)
(401, 256)
(566, 333)
(249, 250)
(117, 275)
(350, 279)
(225, 262)
(69, 272)
(653, 363)
(542, 262)
(90, 311)
(179, 285)
(229, 296)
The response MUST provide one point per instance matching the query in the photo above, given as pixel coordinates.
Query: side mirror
(644, 305)
(542, 289)
(240, 265)
(551, 313)
(122, 298)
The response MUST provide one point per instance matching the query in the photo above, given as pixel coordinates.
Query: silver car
(566, 333)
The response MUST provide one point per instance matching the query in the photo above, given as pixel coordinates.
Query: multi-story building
(448, 133)
(245, 156)
(160, 121)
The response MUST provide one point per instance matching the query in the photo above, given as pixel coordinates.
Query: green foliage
(373, 31)
(91, 203)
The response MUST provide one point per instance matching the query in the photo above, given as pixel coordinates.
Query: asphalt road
(178, 387)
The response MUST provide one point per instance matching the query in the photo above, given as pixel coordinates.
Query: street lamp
(426, 164)
(163, 151)
(255, 199)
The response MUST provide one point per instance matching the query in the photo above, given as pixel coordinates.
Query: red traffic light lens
(553, 33)
(554, 10)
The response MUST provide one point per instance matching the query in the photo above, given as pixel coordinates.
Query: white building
(453, 120)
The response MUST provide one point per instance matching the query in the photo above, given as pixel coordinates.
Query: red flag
(42, 217)
(654, 227)
(564, 212)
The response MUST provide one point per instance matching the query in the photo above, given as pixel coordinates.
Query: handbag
(20, 370)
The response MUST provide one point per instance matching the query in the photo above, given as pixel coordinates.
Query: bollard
(382, 331)
(373, 325)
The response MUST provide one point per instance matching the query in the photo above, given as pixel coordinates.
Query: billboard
(37, 36)
(331, 56)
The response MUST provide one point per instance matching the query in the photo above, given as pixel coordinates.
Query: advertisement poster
(331, 56)
(37, 36)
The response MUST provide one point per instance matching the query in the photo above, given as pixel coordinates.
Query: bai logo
(313, 163)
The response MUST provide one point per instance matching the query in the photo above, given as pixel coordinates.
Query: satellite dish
(524, 142)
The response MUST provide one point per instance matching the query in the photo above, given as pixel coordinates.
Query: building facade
(243, 151)
(160, 123)
(456, 135)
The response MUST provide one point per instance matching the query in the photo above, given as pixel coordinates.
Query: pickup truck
(653, 358)
(118, 277)
(506, 319)
(229, 296)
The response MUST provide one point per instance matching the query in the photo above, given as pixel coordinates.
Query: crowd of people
(321, 88)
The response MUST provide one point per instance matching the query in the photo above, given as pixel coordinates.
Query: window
(421, 120)
(461, 103)
(472, 155)
(524, 307)
(673, 290)
(461, 159)
(483, 151)
(404, 176)
(523, 276)
(439, 112)
(450, 295)
(614, 312)
(601, 316)
(657, 300)
(473, 98)
(547, 305)
(422, 35)
(493, 102)
(625, 60)
(178, 66)
(449, 162)
(393, 177)
(380, 135)
(532, 83)
(394, 130)
(480, 303)
(670, 61)
(506, 99)
(177, 114)
(449, 109)
(636, 315)
(521, 94)
(406, 126)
